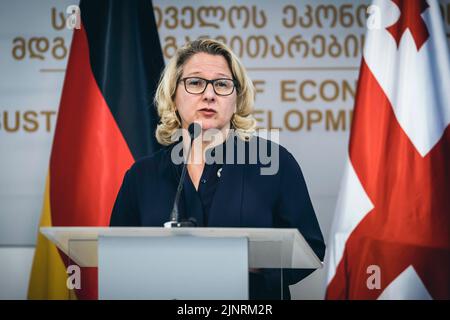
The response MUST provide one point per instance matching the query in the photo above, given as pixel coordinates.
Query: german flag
(106, 121)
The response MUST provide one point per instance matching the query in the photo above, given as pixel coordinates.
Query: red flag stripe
(89, 155)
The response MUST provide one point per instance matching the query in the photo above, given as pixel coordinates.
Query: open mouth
(208, 111)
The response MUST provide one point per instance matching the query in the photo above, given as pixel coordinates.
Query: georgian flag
(390, 237)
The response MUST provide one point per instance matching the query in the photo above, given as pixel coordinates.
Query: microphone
(194, 130)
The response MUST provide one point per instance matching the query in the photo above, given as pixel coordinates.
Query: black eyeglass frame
(235, 84)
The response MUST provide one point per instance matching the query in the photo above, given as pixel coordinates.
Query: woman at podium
(225, 175)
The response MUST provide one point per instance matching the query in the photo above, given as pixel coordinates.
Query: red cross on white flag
(390, 238)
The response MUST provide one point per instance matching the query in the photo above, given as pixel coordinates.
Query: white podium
(180, 263)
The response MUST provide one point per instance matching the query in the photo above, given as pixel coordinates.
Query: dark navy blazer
(243, 198)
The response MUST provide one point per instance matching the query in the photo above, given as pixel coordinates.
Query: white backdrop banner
(34, 45)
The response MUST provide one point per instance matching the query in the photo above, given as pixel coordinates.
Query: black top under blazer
(243, 198)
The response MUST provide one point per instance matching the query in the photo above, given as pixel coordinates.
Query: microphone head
(194, 130)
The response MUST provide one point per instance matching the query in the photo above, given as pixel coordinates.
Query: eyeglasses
(222, 87)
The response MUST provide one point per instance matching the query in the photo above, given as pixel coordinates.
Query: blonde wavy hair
(242, 121)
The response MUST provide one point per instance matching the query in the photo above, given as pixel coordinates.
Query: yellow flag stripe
(48, 274)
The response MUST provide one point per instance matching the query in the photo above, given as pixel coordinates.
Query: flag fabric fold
(390, 237)
(106, 120)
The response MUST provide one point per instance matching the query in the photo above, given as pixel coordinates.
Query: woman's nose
(209, 93)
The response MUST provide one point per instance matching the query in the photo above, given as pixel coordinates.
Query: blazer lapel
(227, 202)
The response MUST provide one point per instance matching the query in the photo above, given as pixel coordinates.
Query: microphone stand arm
(174, 216)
